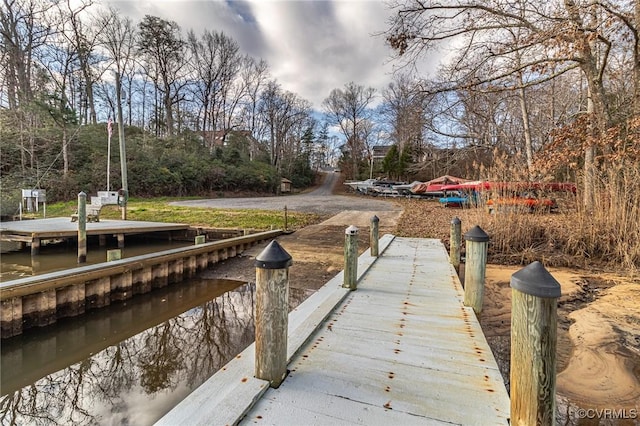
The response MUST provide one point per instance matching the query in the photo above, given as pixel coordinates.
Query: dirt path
(322, 201)
(317, 250)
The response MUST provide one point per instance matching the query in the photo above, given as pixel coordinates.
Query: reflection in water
(58, 257)
(129, 366)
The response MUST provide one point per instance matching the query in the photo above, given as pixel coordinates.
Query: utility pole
(123, 151)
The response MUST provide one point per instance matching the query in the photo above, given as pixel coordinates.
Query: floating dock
(401, 349)
(34, 232)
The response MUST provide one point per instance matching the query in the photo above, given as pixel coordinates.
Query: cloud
(312, 47)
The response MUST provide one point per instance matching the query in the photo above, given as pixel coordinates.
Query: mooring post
(272, 313)
(475, 267)
(82, 227)
(373, 235)
(350, 258)
(534, 300)
(455, 242)
(286, 218)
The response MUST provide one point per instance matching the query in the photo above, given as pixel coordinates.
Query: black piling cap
(375, 219)
(273, 257)
(476, 234)
(536, 281)
(456, 221)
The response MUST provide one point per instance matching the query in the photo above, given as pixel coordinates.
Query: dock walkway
(401, 349)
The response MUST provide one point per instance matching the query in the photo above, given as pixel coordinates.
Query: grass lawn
(159, 210)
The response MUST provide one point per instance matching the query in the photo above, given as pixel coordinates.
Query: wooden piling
(534, 300)
(373, 236)
(35, 245)
(272, 310)
(455, 243)
(475, 268)
(115, 254)
(82, 227)
(350, 258)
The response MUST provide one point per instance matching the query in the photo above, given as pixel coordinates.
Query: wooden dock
(401, 349)
(33, 232)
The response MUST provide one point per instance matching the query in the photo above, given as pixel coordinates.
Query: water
(129, 363)
(58, 257)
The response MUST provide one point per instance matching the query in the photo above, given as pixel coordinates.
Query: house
(214, 138)
(378, 152)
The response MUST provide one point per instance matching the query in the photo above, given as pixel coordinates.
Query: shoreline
(598, 317)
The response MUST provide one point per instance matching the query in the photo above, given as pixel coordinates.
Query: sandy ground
(598, 353)
(598, 316)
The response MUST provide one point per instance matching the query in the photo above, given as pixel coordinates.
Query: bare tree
(83, 39)
(163, 48)
(284, 115)
(215, 62)
(552, 38)
(404, 109)
(346, 109)
(24, 30)
(254, 74)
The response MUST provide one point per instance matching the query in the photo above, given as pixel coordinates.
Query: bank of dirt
(598, 313)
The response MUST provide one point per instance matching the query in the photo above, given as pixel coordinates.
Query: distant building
(380, 151)
(285, 185)
(215, 138)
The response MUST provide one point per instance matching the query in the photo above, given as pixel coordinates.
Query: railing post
(455, 242)
(534, 294)
(475, 267)
(82, 227)
(350, 258)
(373, 235)
(272, 313)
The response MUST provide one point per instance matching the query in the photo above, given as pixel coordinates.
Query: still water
(128, 363)
(57, 257)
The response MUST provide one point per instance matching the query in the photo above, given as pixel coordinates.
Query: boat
(521, 196)
(361, 186)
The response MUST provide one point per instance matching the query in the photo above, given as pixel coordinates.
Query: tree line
(554, 86)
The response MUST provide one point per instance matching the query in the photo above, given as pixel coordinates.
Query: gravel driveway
(320, 201)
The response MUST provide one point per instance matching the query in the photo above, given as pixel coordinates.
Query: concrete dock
(401, 349)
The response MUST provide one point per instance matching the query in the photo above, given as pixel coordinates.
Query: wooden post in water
(475, 267)
(82, 227)
(350, 258)
(272, 313)
(373, 235)
(455, 243)
(115, 254)
(534, 294)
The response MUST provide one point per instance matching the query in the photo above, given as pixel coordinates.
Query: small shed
(285, 185)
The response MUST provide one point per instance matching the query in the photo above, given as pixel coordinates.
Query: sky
(311, 46)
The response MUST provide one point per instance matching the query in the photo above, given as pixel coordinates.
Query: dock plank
(400, 350)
